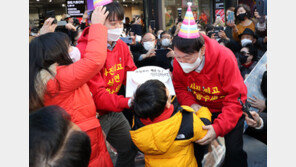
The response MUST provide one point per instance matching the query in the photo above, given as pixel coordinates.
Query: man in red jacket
(206, 74)
(106, 84)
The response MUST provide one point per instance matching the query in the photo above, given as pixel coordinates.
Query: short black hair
(188, 46)
(150, 99)
(115, 10)
(52, 141)
(209, 27)
(252, 50)
(164, 32)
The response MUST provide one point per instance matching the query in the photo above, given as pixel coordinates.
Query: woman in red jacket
(56, 80)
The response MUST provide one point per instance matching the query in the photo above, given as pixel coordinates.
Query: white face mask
(149, 45)
(114, 34)
(187, 67)
(165, 42)
(244, 42)
(75, 54)
(138, 38)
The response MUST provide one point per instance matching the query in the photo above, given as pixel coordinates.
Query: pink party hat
(189, 27)
(101, 2)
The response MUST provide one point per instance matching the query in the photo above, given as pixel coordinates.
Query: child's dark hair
(150, 99)
(53, 141)
(188, 46)
(116, 11)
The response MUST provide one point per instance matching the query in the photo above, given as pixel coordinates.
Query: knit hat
(101, 2)
(189, 27)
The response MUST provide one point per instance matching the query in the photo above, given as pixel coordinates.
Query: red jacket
(106, 84)
(217, 86)
(74, 96)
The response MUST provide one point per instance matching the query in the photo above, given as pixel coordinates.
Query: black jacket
(159, 59)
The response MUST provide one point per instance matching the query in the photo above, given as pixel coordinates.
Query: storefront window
(177, 8)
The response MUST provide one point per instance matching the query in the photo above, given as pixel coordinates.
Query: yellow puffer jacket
(159, 144)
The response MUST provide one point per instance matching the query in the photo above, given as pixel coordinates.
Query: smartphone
(260, 7)
(49, 14)
(127, 40)
(230, 17)
(246, 108)
(217, 30)
(61, 23)
(152, 24)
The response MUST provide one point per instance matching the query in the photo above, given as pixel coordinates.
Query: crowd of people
(77, 83)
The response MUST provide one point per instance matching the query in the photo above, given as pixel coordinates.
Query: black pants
(235, 155)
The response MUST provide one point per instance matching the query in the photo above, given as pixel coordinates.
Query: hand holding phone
(245, 107)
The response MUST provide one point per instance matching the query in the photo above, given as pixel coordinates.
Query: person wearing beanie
(206, 74)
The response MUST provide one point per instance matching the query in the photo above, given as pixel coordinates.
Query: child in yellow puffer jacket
(163, 132)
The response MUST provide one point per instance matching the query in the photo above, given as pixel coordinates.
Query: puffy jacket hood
(157, 138)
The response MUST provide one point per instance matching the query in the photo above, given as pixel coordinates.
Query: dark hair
(246, 7)
(115, 10)
(252, 50)
(52, 141)
(188, 46)
(209, 27)
(44, 51)
(164, 32)
(150, 99)
(231, 8)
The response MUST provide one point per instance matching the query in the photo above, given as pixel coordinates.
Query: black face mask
(241, 16)
(242, 58)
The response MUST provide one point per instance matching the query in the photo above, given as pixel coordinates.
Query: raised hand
(99, 15)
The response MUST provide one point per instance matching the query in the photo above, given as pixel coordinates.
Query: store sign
(75, 8)
(219, 4)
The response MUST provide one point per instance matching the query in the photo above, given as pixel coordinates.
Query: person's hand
(171, 53)
(70, 26)
(99, 15)
(133, 40)
(85, 16)
(150, 29)
(150, 53)
(195, 107)
(213, 36)
(257, 103)
(265, 39)
(253, 123)
(222, 35)
(209, 137)
(48, 26)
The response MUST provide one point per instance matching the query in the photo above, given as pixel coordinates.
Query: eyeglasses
(244, 53)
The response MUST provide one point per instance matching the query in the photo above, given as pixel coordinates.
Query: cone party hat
(101, 2)
(189, 27)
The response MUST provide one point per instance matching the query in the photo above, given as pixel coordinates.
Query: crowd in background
(66, 64)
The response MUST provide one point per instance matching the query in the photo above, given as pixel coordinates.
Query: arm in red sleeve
(78, 73)
(233, 85)
(102, 98)
(179, 80)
